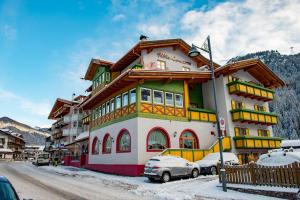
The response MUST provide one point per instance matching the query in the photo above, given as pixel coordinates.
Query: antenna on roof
(73, 96)
(143, 38)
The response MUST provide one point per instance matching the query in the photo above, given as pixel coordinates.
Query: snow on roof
(3, 150)
(290, 143)
(82, 136)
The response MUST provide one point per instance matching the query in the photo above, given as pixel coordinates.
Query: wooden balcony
(250, 90)
(252, 116)
(256, 142)
(197, 114)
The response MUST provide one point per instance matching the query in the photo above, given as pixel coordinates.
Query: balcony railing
(252, 116)
(256, 142)
(250, 90)
(197, 114)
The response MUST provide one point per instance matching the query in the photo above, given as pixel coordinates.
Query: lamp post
(193, 52)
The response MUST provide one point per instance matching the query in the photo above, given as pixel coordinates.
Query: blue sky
(45, 46)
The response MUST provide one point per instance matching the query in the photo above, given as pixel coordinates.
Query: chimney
(143, 38)
(73, 96)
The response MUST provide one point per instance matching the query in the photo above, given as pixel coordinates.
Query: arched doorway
(188, 140)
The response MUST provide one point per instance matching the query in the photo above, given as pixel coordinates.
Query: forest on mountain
(287, 98)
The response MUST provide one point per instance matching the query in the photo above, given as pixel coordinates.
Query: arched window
(95, 146)
(106, 146)
(157, 140)
(188, 140)
(124, 141)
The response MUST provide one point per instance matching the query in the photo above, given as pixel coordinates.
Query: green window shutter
(233, 104)
(243, 105)
(264, 108)
(247, 131)
(236, 131)
(259, 132)
(268, 133)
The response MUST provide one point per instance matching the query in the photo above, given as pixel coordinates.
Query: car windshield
(45, 156)
(6, 192)
(212, 156)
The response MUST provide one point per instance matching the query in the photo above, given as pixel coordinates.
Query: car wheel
(298, 195)
(166, 177)
(195, 173)
(151, 179)
(213, 170)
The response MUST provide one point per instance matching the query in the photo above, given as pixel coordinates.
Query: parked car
(41, 159)
(165, 168)
(208, 165)
(279, 157)
(7, 191)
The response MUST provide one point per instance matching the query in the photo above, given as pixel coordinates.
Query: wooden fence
(253, 174)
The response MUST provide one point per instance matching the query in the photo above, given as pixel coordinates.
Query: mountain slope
(287, 101)
(31, 135)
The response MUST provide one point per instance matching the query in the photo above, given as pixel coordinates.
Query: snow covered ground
(203, 187)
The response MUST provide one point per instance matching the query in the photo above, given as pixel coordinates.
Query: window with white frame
(103, 109)
(132, 96)
(125, 99)
(178, 100)
(161, 64)
(99, 112)
(169, 99)
(107, 107)
(118, 102)
(146, 95)
(158, 97)
(187, 69)
(112, 105)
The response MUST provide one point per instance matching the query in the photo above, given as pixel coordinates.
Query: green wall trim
(195, 95)
(201, 110)
(253, 111)
(256, 138)
(250, 84)
(174, 86)
(162, 117)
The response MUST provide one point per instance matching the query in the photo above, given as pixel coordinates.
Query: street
(32, 183)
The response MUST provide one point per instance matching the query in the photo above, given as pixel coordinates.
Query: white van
(41, 159)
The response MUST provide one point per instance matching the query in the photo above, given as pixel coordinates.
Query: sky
(46, 46)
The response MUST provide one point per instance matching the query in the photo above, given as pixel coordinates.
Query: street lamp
(193, 52)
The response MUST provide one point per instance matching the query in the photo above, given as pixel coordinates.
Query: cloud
(35, 108)
(238, 28)
(9, 32)
(119, 17)
(155, 30)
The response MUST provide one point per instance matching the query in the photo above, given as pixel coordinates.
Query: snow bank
(187, 189)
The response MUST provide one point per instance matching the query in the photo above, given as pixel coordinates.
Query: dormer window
(161, 64)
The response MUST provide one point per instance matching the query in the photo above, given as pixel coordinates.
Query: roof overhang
(135, 52)
(133, 76)
(254, 67)
(94, 64)
(60, 108)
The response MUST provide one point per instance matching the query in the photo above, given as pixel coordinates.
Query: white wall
(170, 64)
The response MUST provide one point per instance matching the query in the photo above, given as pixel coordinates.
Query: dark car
(7, 191)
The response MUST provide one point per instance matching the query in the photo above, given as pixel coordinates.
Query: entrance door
(188, 140)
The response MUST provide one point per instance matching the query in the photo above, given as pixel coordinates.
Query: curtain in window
(157, 140)
(124, 143)
(107, 144)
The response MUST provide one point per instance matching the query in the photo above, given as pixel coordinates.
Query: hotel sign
(173, 58)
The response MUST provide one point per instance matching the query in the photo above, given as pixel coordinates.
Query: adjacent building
(11, 145)
(157, 100)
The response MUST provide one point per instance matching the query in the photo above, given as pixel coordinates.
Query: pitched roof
(61, 105)
(256, 68)
(135, 52)
(94, 64)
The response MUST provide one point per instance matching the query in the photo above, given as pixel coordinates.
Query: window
(103, 109)
(103, 77)
(186, 69)
(169, 99)
(158, 97)
(107, 76)
(75, 124)
(161, 64)
(178, 100)
(132, 96)
(125, 99)
(260, 108)
(237, 105)
(95, 146)
(112, 105)
(263, 133)
(241, 131)
(146, 95)
(106, 147)
(99, 112)
(107, 107)
(118, 102)
(123, 142)
(157, 140)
